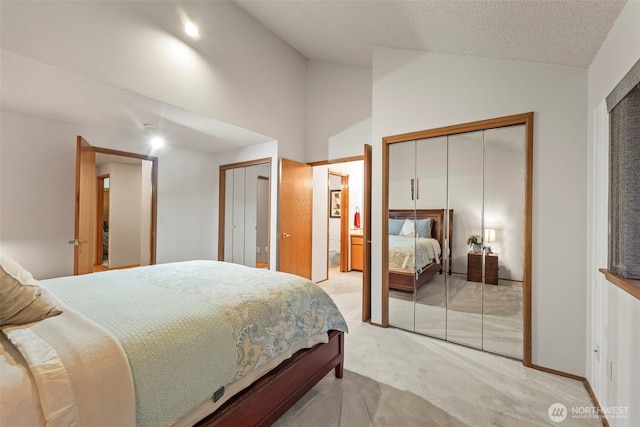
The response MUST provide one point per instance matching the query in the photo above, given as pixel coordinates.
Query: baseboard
(586, 384)
(560, 373)
(603, 418)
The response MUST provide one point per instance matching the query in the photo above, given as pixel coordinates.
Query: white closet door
(228, 214)
(250, 215)
(238, 215)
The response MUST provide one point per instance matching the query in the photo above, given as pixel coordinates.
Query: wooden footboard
(271, 396)
(401, 281)
(408, 282)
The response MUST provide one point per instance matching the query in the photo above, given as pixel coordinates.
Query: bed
(198, 342)
(415, 253)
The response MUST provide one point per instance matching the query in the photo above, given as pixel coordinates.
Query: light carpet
(356, 400)
(474, 388)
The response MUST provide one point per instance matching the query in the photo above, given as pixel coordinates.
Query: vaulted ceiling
(559, 32)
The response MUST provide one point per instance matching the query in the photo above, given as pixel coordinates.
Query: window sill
(630, 286)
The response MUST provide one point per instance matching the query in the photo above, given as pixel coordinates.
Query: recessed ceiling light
(157, 142)
(191, 30)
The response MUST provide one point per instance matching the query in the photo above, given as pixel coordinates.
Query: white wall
(338, 110)
(129, 212)
(238, 72)
(124, 215)
(613, 315)
(37, 191)
(416, 90)
(320, 216)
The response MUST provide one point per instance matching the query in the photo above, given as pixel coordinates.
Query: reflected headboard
(437, 230)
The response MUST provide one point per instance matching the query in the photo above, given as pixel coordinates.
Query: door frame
(154, 193)
(366, 234)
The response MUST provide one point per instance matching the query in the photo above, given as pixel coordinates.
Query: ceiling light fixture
(157, 142)
(191, 30)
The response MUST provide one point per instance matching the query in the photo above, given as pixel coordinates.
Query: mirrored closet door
(458, 209)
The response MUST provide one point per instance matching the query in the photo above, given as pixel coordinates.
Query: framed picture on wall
(334, 204)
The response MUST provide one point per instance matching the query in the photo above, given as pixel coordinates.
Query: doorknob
(77, 242)
(285, 235)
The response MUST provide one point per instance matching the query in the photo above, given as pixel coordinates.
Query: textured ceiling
(556, 32)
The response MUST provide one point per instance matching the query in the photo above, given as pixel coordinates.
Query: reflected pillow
(395, 225)
(409, 228)
(424, 226)
(21, 299)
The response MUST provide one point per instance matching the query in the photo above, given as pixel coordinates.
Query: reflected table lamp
(489, 236)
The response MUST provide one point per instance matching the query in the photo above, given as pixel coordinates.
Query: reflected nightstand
(474, 268)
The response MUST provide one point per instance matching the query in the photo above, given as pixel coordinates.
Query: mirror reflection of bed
(415, 252)
(416, 267)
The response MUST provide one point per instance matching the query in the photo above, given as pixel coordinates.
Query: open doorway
(132, 206)
(333, 232)
(123, 212)
(338, 223)
(102, 221)
(358, 238)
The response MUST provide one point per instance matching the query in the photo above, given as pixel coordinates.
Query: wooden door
(84, 235)
(366, 272)
(294, 217)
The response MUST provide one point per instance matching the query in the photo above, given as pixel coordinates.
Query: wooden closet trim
(336, 161)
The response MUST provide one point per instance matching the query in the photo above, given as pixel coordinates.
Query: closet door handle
(285, 235)
(414, 188)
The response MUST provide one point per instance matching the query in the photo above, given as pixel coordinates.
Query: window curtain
(623, 105)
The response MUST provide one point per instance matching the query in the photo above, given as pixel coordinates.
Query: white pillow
(408, 228)
(21, 299)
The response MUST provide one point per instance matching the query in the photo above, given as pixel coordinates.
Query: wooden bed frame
(267, 399)
(406, 281)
